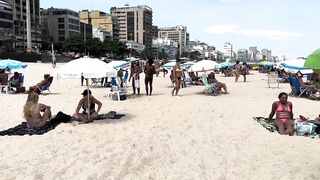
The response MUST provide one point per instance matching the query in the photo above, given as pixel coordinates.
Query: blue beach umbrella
(294, 64)
(12, 64)
(224, 64)
(119, 64)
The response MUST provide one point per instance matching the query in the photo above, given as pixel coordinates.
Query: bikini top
(286, 109)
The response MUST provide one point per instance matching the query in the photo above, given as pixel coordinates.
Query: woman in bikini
(149, 71)
(83, 103)
(284, 115)
(35, 113)
(177, 74)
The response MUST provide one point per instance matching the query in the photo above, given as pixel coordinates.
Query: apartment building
(6, 21)
(266, 54)
(19, 16)
(242, 55)
(61, 23)
(135, 24)
(228, 50)
(177, 34)
(102, 21)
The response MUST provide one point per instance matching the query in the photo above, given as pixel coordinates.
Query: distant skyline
(286, 27)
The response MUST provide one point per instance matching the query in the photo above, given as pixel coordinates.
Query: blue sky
(286, 27)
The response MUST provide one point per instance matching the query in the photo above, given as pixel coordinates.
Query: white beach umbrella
(169, 66)
(86, 67)
(294, 64)
(204, 65)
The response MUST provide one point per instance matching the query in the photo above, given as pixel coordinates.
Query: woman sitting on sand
(87, 110)
(284, 114)
(35, 113)
(219, 85)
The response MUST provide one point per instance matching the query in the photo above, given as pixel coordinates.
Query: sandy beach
(191, 136)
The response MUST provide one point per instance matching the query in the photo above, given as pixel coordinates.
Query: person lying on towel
(88, 108)
(35, 113)
(284, 114)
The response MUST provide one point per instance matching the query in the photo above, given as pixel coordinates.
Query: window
(61, 32)
(61, 38)
(60, 20)
(61, 26)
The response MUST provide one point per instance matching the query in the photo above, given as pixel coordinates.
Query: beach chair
(46, 86)
(118, 92)
(4, 83)
(95, 81)
(21, 76)
(208, 88)
(296, 88)
(273, 79)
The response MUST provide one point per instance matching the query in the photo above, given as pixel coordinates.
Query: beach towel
(110, 115)
(22, 128)
(270, 126)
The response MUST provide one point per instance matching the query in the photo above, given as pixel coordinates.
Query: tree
(147, 53)
(162, 54)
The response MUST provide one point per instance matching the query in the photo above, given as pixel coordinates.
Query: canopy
(88, 67)
(119, 64)
(313, 61)
(204, 65)
(11, 64)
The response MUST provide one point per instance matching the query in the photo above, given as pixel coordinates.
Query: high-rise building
(242, 55)
(20, 26)
(101, 20)
(228, 50)
(86, 29)
(177, 34)
(6, 21)
(253, 51)
(135, 24)
(155, 31)
(61, 23)
(266, 54)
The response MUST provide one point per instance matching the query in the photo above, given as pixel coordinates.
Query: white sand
(192, 136)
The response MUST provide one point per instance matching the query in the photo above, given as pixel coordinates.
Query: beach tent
(204, 65)
(119, 64)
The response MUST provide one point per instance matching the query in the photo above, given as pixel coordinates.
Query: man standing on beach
(135, 75)
(149, 71)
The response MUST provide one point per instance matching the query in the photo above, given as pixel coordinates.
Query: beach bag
(305, 128)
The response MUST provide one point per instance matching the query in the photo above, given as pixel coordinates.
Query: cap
(85, 92)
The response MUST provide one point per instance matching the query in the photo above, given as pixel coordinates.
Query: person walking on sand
(237, 68)
(135, 75)
(177, 74)
(244, 71)
(149, 72)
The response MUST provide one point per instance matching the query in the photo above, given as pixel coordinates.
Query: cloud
(235, 29)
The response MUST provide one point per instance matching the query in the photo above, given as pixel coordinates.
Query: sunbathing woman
(284, 115)
(177, 74)
(35, 113)
(87, 110)
(219, 85)
(35, 89)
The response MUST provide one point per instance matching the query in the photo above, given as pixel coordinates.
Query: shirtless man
(135, 75)
(177, 74)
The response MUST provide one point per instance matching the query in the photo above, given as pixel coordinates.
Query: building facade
(266, 54)
(242, 55)
(155, 31)
(98, 19)
(166, 45)
(61, 23)
(86, 29)
(228, 50)
(177, 34)
(6, 21)
(102, 34)
(253, 51)
(135, 24)
(19, 22)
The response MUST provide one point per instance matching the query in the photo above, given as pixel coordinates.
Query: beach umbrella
(204, 65)
(86, 67)
(187, 65)
(169, 66)
(265, 63)
(224, 64)
(297, 64)
(11, 64)
(313, 61)
(119, 64)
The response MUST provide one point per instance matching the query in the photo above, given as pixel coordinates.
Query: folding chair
(296, 88)
(4, 83)
(46, 86)
(273, 79)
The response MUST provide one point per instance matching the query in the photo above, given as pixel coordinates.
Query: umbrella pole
(88, 102)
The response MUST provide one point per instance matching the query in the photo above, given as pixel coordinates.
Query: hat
(85, 92)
